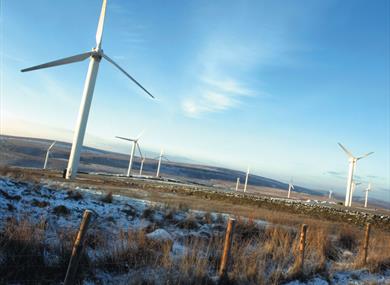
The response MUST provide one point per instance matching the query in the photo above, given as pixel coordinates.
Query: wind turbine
(352, 167)
(237, 183)
(135, 145)
(161, 156)
(246, 179)
(94, 59)
(142, 165)
(353, 188)
(290, 186)
(368, 189)
(47, 154)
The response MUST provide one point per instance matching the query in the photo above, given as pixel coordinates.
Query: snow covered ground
(62, 207)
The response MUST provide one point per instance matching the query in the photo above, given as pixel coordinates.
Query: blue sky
(270, 84)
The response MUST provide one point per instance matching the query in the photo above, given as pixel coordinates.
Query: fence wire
(103, 257)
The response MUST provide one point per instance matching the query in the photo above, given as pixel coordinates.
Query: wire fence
(299, 251)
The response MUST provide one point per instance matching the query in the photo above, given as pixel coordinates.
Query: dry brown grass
(133, 249)
(260, 254)
(348, 238)
(378, 258)
(24, 254)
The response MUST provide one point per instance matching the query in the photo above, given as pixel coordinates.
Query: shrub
(40, 204)
(107, 198)
(347, 238)
(189, 223)
(9, 196)
(148, 213)
(61, 210)
(74, 195)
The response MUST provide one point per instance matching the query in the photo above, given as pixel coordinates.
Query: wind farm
(239, 178)
(135, 145)
(351, 170)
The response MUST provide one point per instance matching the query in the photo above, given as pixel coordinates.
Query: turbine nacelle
(351, 157)
(97, 54)
(368, 189)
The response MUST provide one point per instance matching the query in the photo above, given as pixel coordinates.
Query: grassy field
(209, 199)
(265, 241)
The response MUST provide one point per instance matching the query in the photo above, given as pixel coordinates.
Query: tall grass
(260, 254)
(25, 256)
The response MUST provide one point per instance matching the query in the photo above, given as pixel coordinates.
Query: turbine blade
(166, 158)
(66, 60)
(51, 146)
(140, 135)
(365, 155)
(128, 75)
(99, 32)
(126, 139)
(139, 150)
(345, 150)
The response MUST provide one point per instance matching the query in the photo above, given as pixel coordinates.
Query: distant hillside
(30, 152)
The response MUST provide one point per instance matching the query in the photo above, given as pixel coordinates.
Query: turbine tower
(142, 165)
(246, 179)
(94, 59)
(135, 145)
(368, 189)
(47, 154)
(290, 186)
(237, 183)
(353, 188)
(352, 167)
(160, 157)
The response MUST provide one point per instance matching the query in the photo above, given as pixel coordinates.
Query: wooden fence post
(226, 248)
(77, 249)
(365, 244)
(302, 244)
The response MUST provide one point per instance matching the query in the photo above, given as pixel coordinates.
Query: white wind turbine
(237, 183)
(141, 166)
(368, 189)
(94, 59)
(47, 154)
(290, 186)
(135, 145)
(160, 157)
(352, 167)
(246, 179)
(353, 188)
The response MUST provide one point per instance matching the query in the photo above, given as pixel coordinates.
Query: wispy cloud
(208, 102)
(215, 96)
(228, 86)
(132, 32)
(219, 86)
